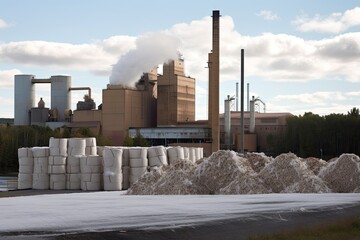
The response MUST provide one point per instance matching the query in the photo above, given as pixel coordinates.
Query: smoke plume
(151, 50)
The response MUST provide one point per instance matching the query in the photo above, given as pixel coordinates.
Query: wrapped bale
(126, 177)
(58, 146)
(76, 146)
(257, 160)
(136, 173)
(112, 159)
(221, 168)
(73, 164)
(99, 150)
(192, 154)
(343, 174)
(138, 162)
(157, 156)
(57, 165)
(186, 154)
(198, 153)
(287, 173)
(41, 181)
(91, 181)
(73, 181)
(57, 181)
(90, 164)
(25, 181)
(90, 147)
(175, 154)
(26, 161)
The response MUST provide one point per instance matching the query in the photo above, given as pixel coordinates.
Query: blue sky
(300, 56)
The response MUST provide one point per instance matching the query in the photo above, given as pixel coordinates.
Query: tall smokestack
(214, 75)
(248, 97)
(237, 97)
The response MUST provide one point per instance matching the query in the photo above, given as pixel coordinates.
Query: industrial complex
(160, 107)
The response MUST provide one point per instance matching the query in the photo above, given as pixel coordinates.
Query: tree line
(311, 135)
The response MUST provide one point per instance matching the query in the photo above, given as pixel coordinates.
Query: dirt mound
(258, 160)
(314, 164)
(343, 174)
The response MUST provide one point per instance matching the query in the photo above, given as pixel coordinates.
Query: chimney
(214, 75)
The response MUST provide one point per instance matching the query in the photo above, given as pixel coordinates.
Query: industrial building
(160, 107)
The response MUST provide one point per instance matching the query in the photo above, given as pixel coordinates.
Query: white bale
(112, 160)
(25, 153)
(25, 181)
(41, 165)
(26, 161)
(198, 153)
(175, 154)
(90, 142)
(192, 156)
(58, 142)
(186, 153)
(157, 156)
(57, 169)
(76, 146)
(126, 177)
(91, 181)
(72, 169)
(40, 152)
(113, 182)
(57, 160)
(99, 150)
(73, 181)
(73, 164)
(201, 153)
(41, 181)
(125, 156)
(57, 181)
(26, 169)
(90, 164)
(58, 151)
(137, 152)
(138, 162)
(90, 151)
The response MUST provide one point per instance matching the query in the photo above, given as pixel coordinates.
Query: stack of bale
(90, 148)
(157, 157)
(91, 173)
(26, 168)
(57, 163)
(112, 160)
(76, 149)
(41, 178)
(138, 163)
(125, 168)
(175, 154)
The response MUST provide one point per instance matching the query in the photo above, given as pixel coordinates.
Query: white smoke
(151, 50)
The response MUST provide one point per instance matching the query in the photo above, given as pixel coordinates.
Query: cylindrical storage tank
(60, 95)
(24, 95)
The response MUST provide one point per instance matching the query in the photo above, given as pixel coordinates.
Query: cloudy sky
(300, 56)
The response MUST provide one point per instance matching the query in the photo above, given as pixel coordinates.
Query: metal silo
(60, 95)
(24, 99)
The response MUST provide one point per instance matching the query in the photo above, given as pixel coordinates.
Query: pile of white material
(26, 168)
(343, 174)
(41, 178)
(258, 160)
(112, 160)
(314, 164)
(91, 173)
(287, 173)
(138, 162)
(90, 146)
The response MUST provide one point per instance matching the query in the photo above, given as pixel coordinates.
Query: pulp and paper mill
(161, 108)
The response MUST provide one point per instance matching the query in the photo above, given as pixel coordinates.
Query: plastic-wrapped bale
(287, 173)
(90, 147)
(41, 162)
(73, 181)
(343, 174)
(41, 181)
(73, 164)
(91, 181)
(90, 164)
(125, 157)
(221, 168)
(58, 146)
(57, 165)
(138, 162)
(175, 154)
(186, 153)
(198, 153)
(99, 150)
(126, 178)
(57, 181)
(26, 168)
(245, 184)
(257, 160)
(76, 146)
(112, 159)
(192, 156)
(157, 156)
(314, 164)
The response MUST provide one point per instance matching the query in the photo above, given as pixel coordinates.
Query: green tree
(128, 141)
(140, 141)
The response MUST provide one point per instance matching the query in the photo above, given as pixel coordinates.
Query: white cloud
(267, 15)
(316, 98)
(334, 23)
(3, 24)
(7, 77)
